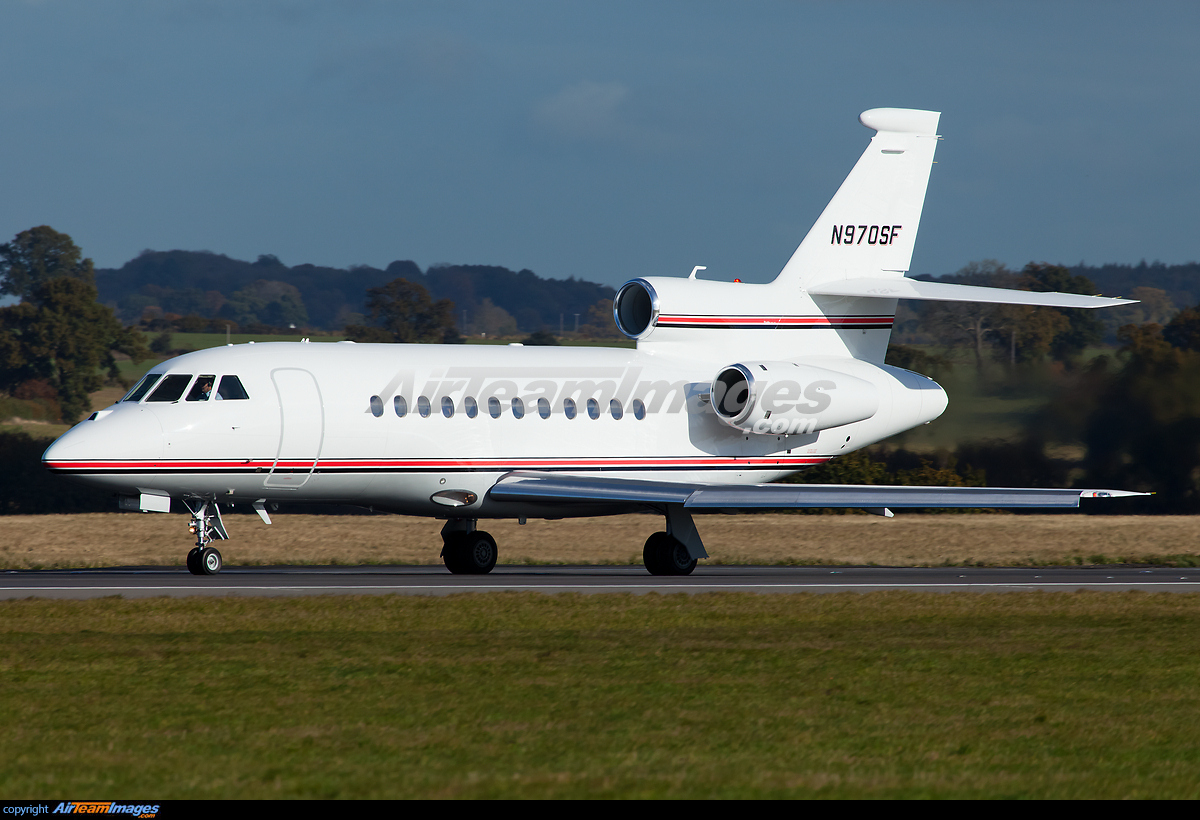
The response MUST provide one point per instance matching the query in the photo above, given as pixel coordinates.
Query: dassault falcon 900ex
(731, 385)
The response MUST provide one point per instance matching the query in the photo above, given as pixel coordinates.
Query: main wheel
(480, 553)
(452, 553)
(193, 562)
(210, 561)
(470, 553)
(665, 555)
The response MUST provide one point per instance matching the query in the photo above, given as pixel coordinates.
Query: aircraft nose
(122, 435)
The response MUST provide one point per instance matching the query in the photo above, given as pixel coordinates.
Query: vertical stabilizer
(869, 228)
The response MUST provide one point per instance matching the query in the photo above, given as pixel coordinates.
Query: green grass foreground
(1085, 695)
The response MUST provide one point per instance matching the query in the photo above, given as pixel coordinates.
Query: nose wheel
(206, 561)
(207, 526)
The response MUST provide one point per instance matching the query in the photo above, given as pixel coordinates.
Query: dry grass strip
(131, 539)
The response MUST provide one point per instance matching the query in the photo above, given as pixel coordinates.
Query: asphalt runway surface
(148, 582)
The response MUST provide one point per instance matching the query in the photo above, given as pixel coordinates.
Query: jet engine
(785, 398)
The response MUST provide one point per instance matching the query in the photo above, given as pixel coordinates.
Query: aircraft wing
(552, 487)
(905, 288)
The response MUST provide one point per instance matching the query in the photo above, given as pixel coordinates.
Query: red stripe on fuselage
(767, 322)
(499, 465)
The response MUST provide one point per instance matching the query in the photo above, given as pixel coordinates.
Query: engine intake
(635, 308)
(785, 398)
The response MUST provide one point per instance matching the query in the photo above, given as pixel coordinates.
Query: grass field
(131, 539)
(1063, 695)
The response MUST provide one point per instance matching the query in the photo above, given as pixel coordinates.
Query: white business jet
(731, 385)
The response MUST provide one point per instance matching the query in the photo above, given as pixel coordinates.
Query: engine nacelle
(785, 398)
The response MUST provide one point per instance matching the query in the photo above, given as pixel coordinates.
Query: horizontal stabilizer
(551, 487)
(904, 288)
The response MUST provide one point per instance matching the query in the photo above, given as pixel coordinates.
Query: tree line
(198, 290)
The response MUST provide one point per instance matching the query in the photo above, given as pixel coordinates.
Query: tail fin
(869, 228)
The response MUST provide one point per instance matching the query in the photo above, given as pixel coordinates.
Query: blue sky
(596, 140)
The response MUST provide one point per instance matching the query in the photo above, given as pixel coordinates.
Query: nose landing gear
(207, 526)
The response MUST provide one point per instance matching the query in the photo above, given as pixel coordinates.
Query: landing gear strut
(675, 551)
(207, 526)
(466, 550)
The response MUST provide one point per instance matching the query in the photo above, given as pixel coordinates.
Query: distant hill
(212, 285)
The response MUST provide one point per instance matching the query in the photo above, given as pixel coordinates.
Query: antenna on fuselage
(695, 269)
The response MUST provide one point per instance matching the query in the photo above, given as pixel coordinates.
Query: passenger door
(302, 427)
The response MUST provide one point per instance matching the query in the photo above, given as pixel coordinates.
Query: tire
(665, 555)
(452, 554)
(210, 561)
(653, 553)
(479, 553)
(678, 560)
(193, 562)
(470, 553)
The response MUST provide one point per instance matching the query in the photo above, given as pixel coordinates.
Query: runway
(147, 582)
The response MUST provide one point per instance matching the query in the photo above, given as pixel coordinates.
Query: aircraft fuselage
(428, 429)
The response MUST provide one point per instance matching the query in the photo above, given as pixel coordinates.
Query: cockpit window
(202, 389)
(231, 388)
(170, 388)
(143, 387)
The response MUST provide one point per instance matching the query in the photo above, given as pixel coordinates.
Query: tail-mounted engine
(635, 308)
(785, 398)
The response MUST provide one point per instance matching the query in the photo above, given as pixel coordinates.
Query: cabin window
(376, 406)
(569, 408)
(143, 387)
(447, 406)
(494, 407)
(614, 407)
(639, 409)
(593, 407)
(202, 389)
(471, 407)
(231, 389)
(171, 388)
(544, 408)
(423, 407)
(518, 408)
(400, 406)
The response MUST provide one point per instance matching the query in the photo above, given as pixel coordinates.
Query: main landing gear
(207, 526)
(675, 551)
(666, 555)
(466, 550)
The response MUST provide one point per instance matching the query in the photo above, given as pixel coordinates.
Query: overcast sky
(600, 140)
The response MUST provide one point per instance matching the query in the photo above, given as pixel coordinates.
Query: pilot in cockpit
(203, 389)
